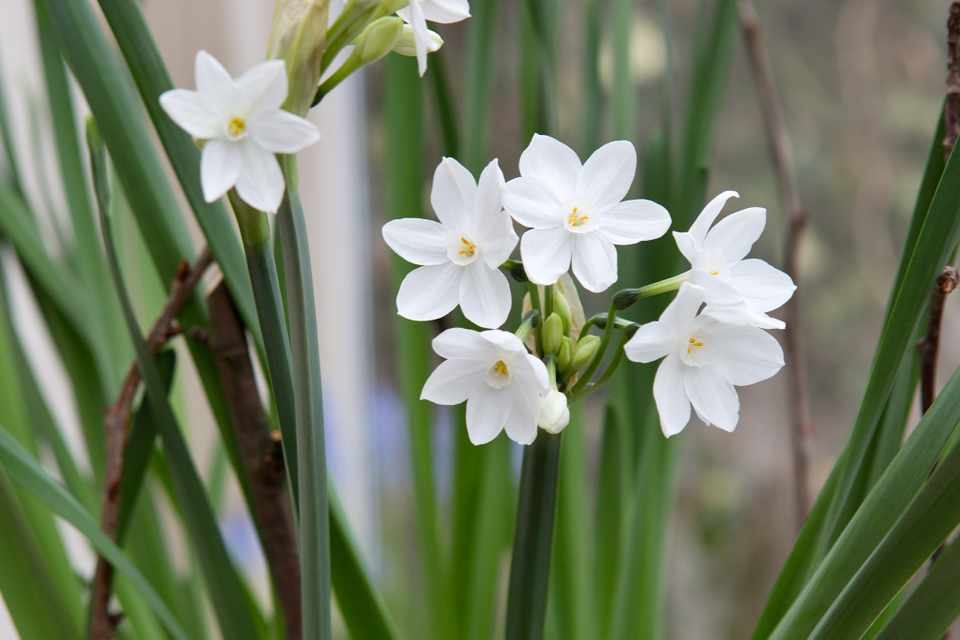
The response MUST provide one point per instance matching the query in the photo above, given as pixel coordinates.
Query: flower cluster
(711, 337)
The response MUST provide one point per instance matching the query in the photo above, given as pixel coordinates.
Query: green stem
(595, 363)
(530, 566)
(615, 362)
(625, 298)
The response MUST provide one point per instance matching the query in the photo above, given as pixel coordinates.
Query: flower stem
(625, 298)
(595, 363)
(530, 566)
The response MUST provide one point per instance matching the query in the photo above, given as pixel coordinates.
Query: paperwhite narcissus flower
(736, 289)
(704, 359)
(418, 12)
(577, 212)
(461, 254)
(554, 413)
(501, 383)
(243, 125)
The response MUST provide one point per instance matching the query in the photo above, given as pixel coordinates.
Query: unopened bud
(585, 350)
(377, 39)
(564, 354)
(554, 413)
(552, 333)
(298, 37)
(625, 298)
(406, 46)
(562, 307)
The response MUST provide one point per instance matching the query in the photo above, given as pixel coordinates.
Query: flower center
(236, 127)
(468, 250)
(693, 343)
(714, 273)
(577, 219)
(499, 375)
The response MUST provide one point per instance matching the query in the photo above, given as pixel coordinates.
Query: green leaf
(933, 606)
(613, 493)
(479, 80)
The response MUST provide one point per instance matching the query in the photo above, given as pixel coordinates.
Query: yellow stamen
(467, 248)
(692, 344)
(714, 273)
(500, 367)
(236, 126)
(575, 219)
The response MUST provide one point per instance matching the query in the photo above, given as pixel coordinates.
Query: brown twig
(780, 152)
(261, 456)
(951, 109)
(102, 624)
(930, 344)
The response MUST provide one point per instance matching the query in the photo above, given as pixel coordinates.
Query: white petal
(553, 164)
(531, 204)
(192, 113)
(743, 355)
(607, 175)
(282, 132)
(546, 254)
(652, 341)
(594, 261)
(428, 293)
(445, 11)
(764, 287)
(532, 373)
(453, 381)
(634, 221)
(683, 308)
(710, 212)
(522, 421)
(670, 396)
(421, 34)
(453, 195)
(487, 411)
(733, 236)
(497, 239)
(260, 183)
(463, 344)
(262, 88)
(718, 289)
(220, 163)
(210, 75)
(417, 240)
(484, 295)
(504, 340)
(742, 315)
(489, 198)
(714, 398)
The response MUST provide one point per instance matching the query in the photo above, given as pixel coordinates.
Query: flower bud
(406, 46)
(625, 298)
(298, 37)
(562, 307)
(377, 40)
(564, 354)
(554, 413)
(552, 333)
(585, 350)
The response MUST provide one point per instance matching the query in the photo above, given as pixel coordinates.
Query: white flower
(737, 290)
(407, 42)
(554, 413)
(577, 212)
(461, 254)
(501, 383)
(703, 360)
(244, 127)
(418, 12)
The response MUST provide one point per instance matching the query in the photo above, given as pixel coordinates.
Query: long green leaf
(933, 606)
(613, 491)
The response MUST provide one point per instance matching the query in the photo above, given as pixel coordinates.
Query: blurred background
(861, 82)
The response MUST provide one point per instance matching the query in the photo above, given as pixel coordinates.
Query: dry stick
(780, 152)
(102, 624)
(930, 345)
(261, 455)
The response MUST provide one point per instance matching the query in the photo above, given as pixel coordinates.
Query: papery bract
(500, 381)
(704, 359)
(243, 126)
(418, 12)
(738, 289)
(577, 212)
(461, 254)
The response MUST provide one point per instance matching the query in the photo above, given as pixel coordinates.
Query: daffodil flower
(704, 359)
(461, 254)
(554, 413)
(243, 126)
(737, 289)
(418, 12)
(501, 383)
(577, 212)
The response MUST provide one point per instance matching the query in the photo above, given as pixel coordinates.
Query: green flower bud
(562, 307)
(564, 354)
(405, 45)
(377, 40)
(585, 350)
(552, 333)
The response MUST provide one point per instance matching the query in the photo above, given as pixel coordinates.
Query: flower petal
(463, 344)
(594, 261)
(453, 381)
(652, 341)
(220, 163)
(607, 175)
(714, 398)
(262, 88)
(733, 236)
(192, 113)
(742, 315)
(687, 246)
(718, 289)
(484, 295)
(521, 423)
(487, 411)
(497, 239)
(743, 355)
(489, 197)
(670, 397)
(453, 195)
(709, 214)
(417, 240)
(445, 11)
(260, 183)
(634, 221)
(682, 310)
(546, 254)
(504, 340)
(428, 293)
(421, 34)
(531, 204)
(553, 164)
(210, 76)
(282, 132)
(764, 287)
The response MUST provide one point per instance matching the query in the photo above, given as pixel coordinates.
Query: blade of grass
(591, 91)
(613, 493)
(13, 178)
